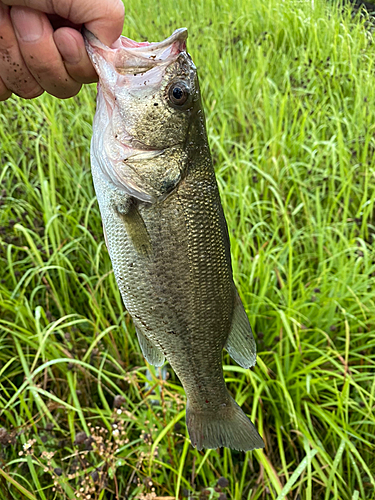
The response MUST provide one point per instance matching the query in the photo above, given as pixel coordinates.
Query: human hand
(42, 49)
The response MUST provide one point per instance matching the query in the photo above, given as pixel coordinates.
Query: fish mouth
(122, 67)
(129, 57)
(142, 154)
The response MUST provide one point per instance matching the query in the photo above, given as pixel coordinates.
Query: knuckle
(51, 75)
(18, 78)
(66, 92)
(25, 88)
(83, 74)
(4, 95)
(28, 87)
(30, 94)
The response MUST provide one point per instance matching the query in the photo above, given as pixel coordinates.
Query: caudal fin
(228, 426)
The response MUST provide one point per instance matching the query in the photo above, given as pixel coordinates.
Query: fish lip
(141, 152)
(179, 35)
(148, 153)
(130, 57)
(144, 154)
(91, 41)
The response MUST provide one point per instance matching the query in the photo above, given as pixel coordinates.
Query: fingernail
(27, 23)
(68, 48)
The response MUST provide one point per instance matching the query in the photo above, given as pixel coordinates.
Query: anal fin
(150, 351)
(240, 343)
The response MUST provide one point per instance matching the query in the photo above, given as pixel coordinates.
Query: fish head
(148, 94)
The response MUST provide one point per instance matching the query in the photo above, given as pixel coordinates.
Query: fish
(165, 229)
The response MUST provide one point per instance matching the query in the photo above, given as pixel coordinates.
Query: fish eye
(178, 93)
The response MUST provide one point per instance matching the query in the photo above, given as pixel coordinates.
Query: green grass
(289, 94)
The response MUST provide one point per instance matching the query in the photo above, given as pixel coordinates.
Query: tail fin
(228, 426)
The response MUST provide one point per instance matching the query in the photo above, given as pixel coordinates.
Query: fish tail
(228, 426)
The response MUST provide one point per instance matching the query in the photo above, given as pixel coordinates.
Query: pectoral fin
(240, 343)
(150, 351)
(135, 227)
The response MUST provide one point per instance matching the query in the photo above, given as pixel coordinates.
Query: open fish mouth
(129, 57)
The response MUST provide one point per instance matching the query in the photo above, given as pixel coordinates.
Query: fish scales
(166, 232)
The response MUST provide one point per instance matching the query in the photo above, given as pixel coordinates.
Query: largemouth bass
(165, 228)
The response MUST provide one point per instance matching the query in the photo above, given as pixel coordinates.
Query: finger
(73, 52)
(104, 18)
(4, 92)
(35, 39)
(13, 70)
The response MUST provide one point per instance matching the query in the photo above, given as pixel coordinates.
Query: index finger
(104, 18)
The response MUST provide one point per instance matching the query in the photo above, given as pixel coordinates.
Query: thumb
(108, 24)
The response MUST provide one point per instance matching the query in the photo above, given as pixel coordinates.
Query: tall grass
(288, 89)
